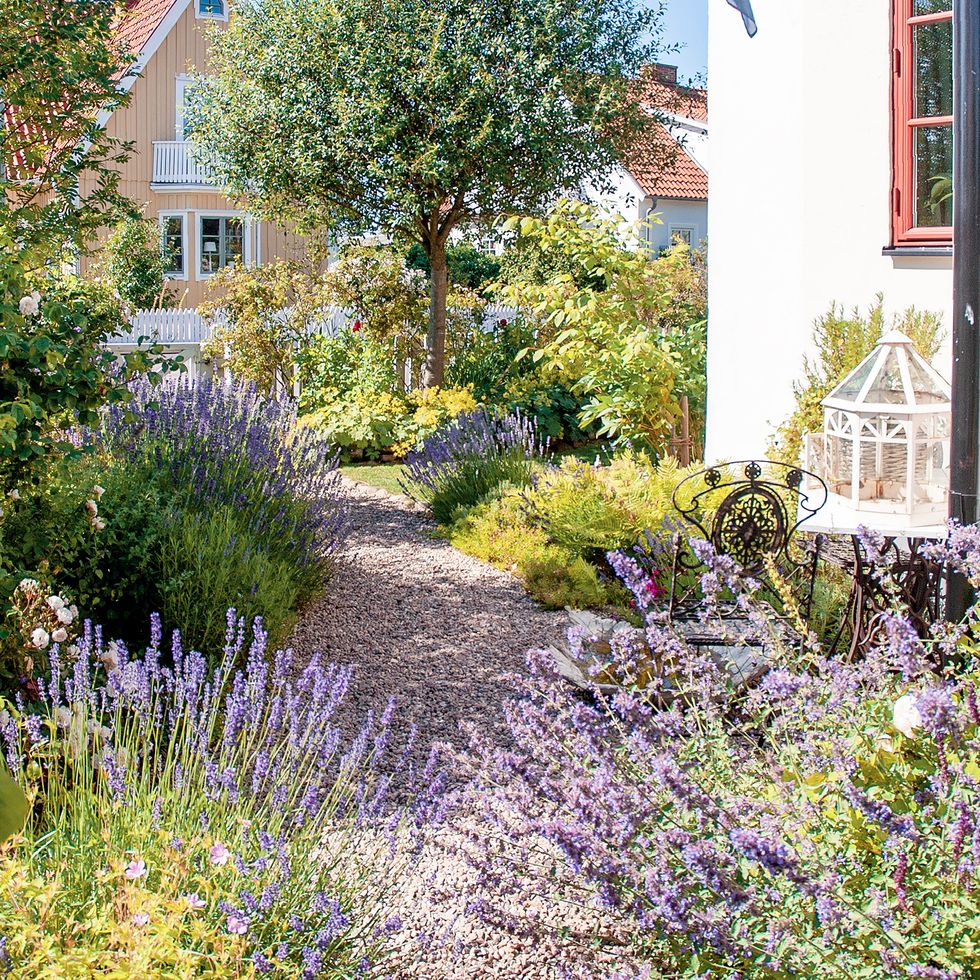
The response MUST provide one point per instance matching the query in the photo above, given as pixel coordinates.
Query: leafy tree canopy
(59, 69)
(419, 116)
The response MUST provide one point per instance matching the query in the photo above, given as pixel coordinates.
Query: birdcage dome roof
(894, 379)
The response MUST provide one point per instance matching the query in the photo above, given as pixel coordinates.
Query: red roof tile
(139, 20)
(681, 178)
(661, 165)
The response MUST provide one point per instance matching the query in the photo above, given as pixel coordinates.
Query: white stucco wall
(626, 198)
(799, 201)
(690, 214)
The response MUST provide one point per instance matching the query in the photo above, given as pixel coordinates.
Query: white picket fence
(183, 328)
(184, 333)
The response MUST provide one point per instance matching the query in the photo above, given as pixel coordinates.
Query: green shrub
(594, 509)
(632, 340)
(497, 531)
(469, 459)
(112, 572)
(841, 343)
(469, 267)
(375, 423)
(135, 266)
(209, 563)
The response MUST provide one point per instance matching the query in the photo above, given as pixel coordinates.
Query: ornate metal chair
(749, 510)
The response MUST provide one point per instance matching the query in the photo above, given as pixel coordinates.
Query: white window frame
(674, 227)
(204, 16)
(184, 224)
(247, 235)
(184, 84)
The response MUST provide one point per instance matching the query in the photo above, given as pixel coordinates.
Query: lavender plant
(470, 458)
(256, 511)
(195, 821)
(825, 823)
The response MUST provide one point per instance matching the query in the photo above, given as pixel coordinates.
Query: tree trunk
(435, 341)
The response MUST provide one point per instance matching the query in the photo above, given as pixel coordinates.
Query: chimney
(666, 74)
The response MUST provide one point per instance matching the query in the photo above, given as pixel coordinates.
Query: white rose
(98, 524)
(60, 635)
(27, 583)
(56, 602)
(110, 656)
(40, 638)
(29, 306)
(92, 507)
(905, 716)
(65, 615)
(97, 491)
(14, 494)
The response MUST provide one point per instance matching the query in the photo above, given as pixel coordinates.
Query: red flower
(357, 326)
(503, 323)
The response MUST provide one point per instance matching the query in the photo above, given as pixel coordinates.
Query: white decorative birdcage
(884, 449)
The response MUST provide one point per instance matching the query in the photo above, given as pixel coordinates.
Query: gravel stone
(422, 622)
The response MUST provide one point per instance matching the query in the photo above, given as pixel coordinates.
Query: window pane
(922, 7)
(210, 245)
(933, 176)
(213, 7)
(234, 241)
(934, 69)
(173, 245)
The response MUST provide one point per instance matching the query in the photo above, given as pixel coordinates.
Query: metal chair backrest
(757, 518)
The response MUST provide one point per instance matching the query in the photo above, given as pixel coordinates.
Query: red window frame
(904, 125)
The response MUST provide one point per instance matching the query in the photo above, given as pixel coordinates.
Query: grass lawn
(384, 475)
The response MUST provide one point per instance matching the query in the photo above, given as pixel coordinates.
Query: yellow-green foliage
(554, 535)
(50, 933)
(842, 341)
(594, 509)
(383, 422)
(498, 532)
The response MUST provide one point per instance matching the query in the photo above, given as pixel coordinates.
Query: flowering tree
(419, 117)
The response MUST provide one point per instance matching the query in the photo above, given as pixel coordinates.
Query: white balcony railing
(173, 164)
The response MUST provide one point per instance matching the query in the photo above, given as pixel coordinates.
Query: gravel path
(438, 630)
(423, 622)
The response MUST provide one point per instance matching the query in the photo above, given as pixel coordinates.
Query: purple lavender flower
(474, 454)
(938, 712)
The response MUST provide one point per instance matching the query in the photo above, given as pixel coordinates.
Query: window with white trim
(173, 244)
(221, 242)
(185, 85)
(681, 233)
(215, 9)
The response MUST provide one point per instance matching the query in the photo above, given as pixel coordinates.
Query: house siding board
(151, 116)
(800, 203)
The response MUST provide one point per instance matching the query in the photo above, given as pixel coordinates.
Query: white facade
(800, 202)
(667, 216)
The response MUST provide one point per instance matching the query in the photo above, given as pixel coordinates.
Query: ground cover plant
(554, 532)
(823, 823)
(196, 820)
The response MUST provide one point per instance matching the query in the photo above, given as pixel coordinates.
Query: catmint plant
(824, 822)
